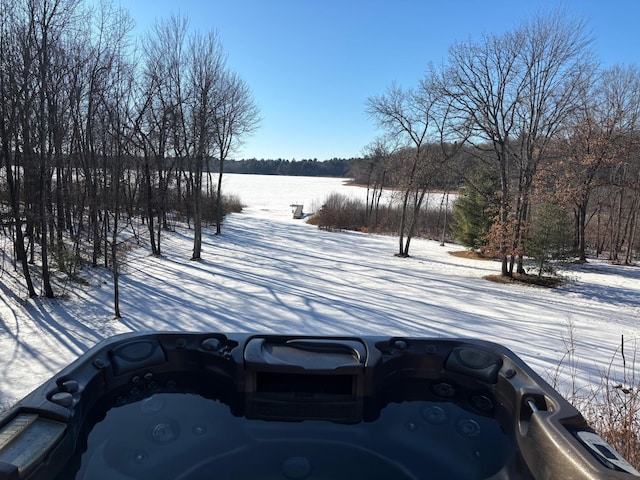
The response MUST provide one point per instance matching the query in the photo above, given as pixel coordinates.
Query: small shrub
(230, 204)
(68, 261)
(340, 212)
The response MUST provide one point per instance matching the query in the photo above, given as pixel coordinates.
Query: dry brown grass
(529, 280)
(610, 406)
(516, 279)
(470, 254)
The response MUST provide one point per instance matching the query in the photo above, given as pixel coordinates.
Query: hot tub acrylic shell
(182, 405)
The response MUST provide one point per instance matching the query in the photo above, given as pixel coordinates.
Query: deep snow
(270, 273)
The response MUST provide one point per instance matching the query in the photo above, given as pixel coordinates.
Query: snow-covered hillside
(268, 272)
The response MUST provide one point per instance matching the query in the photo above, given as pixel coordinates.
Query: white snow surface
(270, 273)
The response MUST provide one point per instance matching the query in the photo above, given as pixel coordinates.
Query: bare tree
(373, 168)
(482, 81)
(206, 68)
(557, 66)
(41, 41)
(420, 121)
(403, 116)
(118, 103)
(95, 52)
(160, 125)
(515, 90)
(73, 117)
(235, 115)
(9, 124)
(616, 206)
(596, 138)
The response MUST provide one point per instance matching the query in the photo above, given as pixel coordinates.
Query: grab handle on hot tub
(305, 354)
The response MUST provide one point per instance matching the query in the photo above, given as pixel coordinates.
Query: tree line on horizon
(334, 167)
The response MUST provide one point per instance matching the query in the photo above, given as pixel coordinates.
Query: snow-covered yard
(268, 272)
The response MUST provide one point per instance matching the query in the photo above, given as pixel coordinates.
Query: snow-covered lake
(268, 272)
(273, 195)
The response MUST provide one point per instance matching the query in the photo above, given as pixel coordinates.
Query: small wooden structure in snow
(296, 209)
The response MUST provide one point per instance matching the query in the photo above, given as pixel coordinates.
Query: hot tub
(188, 406)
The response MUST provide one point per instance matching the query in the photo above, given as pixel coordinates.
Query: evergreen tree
(476, 207)
(550, 236)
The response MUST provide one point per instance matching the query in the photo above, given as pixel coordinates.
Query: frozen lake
(274, 194)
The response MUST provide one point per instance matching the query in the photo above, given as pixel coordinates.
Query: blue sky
(311, 64)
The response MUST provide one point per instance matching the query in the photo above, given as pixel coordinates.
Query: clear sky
(312, 64)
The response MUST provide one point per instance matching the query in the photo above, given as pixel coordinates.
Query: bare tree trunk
(633, 228)
(402, 251)
(8, 131)
(43, 24)
(219, 200)
(46, 275)
(234, 115)
(150, 203)
(115, 264)
(21, 252)
(196, 191)
(420, 194)
(582, 226)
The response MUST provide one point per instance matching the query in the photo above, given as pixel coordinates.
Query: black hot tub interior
(221, 406)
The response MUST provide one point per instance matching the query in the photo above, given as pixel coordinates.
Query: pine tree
(475, 208)
(550, 236)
